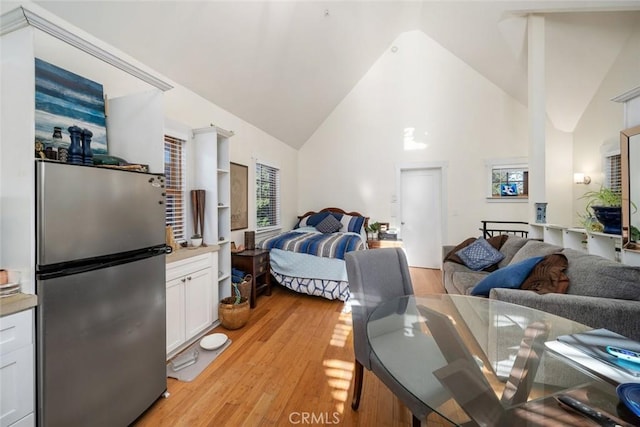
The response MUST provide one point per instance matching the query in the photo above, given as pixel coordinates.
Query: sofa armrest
(621, 316)
(446, 249)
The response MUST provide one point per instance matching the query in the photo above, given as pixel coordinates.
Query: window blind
(613, 173)
(174, 171)
(267, 196)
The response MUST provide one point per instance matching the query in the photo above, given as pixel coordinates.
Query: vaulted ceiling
(283, 66)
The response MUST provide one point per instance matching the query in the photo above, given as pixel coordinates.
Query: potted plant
(373, 230)
(234, 311)
(196, 240)
(606, 205)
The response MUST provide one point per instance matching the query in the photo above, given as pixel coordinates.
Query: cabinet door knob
(189, 278)
(183, 280)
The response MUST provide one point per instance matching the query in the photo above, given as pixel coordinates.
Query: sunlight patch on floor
(339, 374)
(342, 330)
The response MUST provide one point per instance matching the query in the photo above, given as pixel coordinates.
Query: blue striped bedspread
(333, 245)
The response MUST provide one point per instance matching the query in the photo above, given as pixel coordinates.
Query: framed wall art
(239, 196)
(65, 99)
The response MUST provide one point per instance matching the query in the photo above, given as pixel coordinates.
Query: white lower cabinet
(192, 298)
(17, 369)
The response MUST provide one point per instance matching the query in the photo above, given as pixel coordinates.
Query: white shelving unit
(575, 238)
(212, 174)
(224, 213)
(536, 231)
(594, 243)
(553, 234)
(631, 257)
(605, 245)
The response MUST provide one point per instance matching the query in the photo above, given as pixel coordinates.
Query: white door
(421, 216)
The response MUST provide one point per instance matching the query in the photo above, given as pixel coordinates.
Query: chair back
(375, 275)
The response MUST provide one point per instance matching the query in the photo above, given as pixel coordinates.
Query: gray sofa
(602, 293)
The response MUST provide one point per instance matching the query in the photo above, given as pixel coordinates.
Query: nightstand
(377, 244)
(256, 263)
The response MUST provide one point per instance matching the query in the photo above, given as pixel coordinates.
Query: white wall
(603, 119)
(351, 159)
(192, 111)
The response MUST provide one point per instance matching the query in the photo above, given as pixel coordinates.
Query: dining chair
(376, 276)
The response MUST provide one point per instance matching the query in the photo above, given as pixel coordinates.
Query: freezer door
(101, 348)
(85, 212)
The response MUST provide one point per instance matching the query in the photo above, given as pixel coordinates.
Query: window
(509, 182)
(267, 196)
(174, 171)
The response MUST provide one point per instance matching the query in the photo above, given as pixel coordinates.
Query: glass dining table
(477, 361)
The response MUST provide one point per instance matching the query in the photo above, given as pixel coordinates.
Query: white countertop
(184, 253)
(18, 302)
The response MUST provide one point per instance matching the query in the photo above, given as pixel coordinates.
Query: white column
(537, 111)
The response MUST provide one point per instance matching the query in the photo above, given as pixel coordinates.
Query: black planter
(610, 218)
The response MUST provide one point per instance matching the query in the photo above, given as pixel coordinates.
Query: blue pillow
(329, 225)
(480, 254)
(510, 276)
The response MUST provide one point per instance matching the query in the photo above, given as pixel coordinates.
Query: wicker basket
(245, 287)
(233, 316)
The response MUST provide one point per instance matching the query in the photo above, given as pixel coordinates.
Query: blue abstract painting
(65, 99)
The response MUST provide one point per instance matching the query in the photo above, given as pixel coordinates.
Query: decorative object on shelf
(239, 196)
(87, 154)
(196, 241)
(39, 150)
(250, 239)
(234, 311)
(610, 217)
(9, 283)
(63, 98)
(106, 160)
(197, 212)
(57, 134)
(541, 212)
(63, 155)
(170, 239)
(50, 153)
(75, 148)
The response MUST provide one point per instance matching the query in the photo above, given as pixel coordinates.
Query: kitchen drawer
(187, 266)
(16, 331)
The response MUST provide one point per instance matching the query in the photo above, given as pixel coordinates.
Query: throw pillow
(329, 225)
(480, 254)
(548, 276)
(510, 276)
(495, 241)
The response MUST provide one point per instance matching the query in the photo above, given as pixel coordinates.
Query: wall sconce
(580, 178)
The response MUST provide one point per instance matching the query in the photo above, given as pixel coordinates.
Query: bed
(310, 258)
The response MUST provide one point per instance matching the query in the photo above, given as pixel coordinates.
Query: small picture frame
(384, 226)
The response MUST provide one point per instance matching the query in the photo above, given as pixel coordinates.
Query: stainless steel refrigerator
(100, 281)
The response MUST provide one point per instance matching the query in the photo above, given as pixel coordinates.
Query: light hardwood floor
(292, 364)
